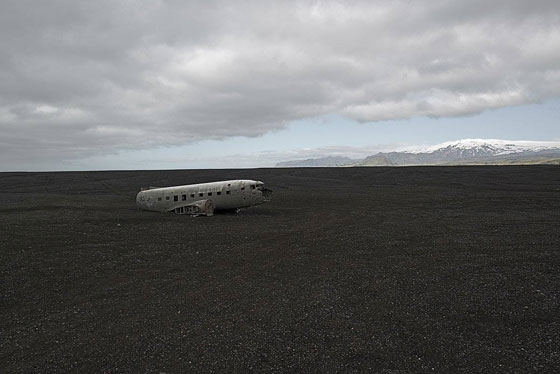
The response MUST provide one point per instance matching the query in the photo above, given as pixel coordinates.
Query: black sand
(393, 270)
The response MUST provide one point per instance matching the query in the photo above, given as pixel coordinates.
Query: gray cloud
(81, 78)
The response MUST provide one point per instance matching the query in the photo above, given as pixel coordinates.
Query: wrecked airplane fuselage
(204, 198)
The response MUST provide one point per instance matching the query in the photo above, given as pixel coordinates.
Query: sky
(96, 85)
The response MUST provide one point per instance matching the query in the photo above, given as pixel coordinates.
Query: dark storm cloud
(80, 78)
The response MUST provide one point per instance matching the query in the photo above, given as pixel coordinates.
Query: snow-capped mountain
(491, 146)
(472, 151)
(466, 152)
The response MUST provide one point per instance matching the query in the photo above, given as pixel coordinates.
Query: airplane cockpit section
(266, 192)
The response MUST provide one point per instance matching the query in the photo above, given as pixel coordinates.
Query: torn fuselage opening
(266, 192)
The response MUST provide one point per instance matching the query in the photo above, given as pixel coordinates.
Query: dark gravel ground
(390, 270)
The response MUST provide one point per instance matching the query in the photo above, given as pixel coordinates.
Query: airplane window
(166, 197)
(218, 193)
(227, 192)
(192, 195)
(175, 198)
(229, 184)
(184, 197)
(252, 186)
(201, 194)
(209, 193)
(242, 188)
(159, 199)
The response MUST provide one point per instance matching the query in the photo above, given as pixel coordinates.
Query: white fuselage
(231, 194)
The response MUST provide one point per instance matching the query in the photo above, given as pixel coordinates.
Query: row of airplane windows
(200, 194)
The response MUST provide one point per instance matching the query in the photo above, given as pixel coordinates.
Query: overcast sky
(183, 84)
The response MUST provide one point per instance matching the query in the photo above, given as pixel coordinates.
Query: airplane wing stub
(198, 208)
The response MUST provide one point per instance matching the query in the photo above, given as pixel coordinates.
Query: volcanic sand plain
(394, 270)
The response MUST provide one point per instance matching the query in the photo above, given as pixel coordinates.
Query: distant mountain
(470, 151)
(460, 152)
(318, 162)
